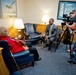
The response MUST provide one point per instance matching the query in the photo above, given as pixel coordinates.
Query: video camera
(65, 19)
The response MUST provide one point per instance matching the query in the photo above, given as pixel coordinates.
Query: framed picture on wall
(65, 7)
(8, 8)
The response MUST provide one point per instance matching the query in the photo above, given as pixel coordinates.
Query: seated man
(17, 45)
(50, 32)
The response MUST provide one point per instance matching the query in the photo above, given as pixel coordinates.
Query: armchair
(22, 58)
(30, 31)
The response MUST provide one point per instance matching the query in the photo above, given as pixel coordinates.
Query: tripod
(68, 39)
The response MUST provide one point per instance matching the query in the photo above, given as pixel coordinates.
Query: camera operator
(73, 28)
(71, 18)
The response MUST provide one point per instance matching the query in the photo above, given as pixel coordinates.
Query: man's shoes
(72, 55)
(38, 59)
(49, 48)
(71, 62)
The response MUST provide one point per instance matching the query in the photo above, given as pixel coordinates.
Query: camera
(65, 19)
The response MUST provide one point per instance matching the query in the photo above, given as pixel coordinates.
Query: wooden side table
(3, 68)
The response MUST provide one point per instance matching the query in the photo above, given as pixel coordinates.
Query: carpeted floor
(52, 63)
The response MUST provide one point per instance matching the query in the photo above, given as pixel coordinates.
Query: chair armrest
(21, 54)
(37, 32)
(26, 34)
(3, 42)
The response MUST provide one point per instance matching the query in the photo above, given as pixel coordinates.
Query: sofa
(22, 58)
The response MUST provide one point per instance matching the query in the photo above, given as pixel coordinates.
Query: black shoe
(72, 55)
(71, 62)
(38, 59)
(49, 48)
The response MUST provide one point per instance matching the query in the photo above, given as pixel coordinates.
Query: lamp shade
(18, 24)
(45, 18)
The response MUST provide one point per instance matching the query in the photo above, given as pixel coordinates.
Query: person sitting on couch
(17, 45)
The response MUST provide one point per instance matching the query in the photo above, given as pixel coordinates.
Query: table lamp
(18, 24)
(45, 18)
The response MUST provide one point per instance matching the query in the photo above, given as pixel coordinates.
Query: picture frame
(8, 8)
(65, 7)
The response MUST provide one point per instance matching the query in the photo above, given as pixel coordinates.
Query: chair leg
(56, 46)
(33, 63)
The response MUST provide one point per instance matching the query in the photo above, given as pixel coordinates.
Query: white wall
(67, 0)
(32, 11)
(35, 9)
(9, 22)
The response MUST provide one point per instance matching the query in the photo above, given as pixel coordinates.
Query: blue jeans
(74, 59)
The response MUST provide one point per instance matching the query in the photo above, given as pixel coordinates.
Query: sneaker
(68, 50)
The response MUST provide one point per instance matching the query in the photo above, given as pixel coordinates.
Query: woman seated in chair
(17, 45)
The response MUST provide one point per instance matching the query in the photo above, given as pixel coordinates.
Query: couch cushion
(21, 54)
